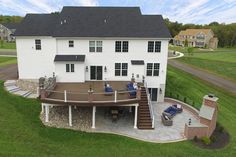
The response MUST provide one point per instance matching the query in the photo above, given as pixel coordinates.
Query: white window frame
(97, 45)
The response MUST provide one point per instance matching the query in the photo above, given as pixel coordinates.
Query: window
(118, 46)
(95, 46)
(153, 69)
(38, 44)
(157, 46)
(122, 46)
(70, 68)
(152, 45)
(121, 69)
(99, 46)
(71, 43)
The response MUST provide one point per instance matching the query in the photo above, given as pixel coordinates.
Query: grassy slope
(7, 60)
(22, 133)
(220, 63)
(7, 45)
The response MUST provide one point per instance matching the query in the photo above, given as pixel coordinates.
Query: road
(211, 78)
(8, 72)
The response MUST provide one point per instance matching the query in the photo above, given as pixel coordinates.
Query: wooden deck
(77, 94)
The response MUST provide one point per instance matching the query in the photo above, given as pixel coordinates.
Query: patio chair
(178, 107)
(108, 90)
(170, 112)
(166, 120)
(132, 90)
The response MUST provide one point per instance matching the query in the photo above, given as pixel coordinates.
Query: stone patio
(124, 125)
(161, 133)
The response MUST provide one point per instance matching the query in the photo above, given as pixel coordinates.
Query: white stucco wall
(33, 64)
(108, 58)
(63, 76)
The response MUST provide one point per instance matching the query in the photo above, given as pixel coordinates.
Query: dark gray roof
(77, 58)
(137, 62)
(10, 25)
(95, 22)
(37, 25)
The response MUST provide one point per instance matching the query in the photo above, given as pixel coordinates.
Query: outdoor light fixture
(105, 69)
(160, 91)
(86, 69)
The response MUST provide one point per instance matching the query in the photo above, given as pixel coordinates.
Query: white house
(83, 44)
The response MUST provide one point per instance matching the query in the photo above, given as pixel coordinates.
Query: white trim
(70, 116)
(93, 117)
(135, 117)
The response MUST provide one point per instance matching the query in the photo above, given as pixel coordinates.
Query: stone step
(15, 90)
(10, 82)
(21, 92)
(27, 94)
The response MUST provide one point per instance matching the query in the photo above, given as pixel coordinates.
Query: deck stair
(144, 116)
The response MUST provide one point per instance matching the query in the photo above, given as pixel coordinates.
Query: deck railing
(150, 105)
(90, 96)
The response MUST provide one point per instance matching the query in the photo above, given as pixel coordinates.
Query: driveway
(8, 72)
(211, 78)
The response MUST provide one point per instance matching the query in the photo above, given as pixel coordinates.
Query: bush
(213, 139)
(219, 127)
(195, 139)
(206, 140)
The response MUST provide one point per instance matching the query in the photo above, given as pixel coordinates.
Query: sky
(184, 11)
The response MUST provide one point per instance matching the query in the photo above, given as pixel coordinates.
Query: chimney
(210, 100)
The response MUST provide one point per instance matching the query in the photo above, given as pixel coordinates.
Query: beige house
(196, 38)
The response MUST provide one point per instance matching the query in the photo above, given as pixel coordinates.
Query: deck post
(42, 110)
(136, 116)
(70, 116)
(47, 113)
(65, 96)
(93, 118)
(115, 95)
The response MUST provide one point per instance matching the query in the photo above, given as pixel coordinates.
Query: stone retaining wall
(28, 85)
(184, 105)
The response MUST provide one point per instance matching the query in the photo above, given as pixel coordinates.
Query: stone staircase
(11, 86)
(144, 116)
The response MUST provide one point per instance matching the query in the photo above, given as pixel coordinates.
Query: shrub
(195, 139)
(213, 139)
(206, 140)
(219, 127)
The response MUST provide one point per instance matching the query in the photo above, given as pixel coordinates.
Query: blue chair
(132, 92)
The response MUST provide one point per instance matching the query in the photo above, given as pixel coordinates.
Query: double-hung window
(70, 68)
(152, 69)
(95, 46)
(71, 43)
(154, 46)
(121, 69)
(38, 44)
(122, 46)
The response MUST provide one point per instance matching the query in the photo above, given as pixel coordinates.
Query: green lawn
(8, 45)
(7, 60)
(220, 63)
(22, 133)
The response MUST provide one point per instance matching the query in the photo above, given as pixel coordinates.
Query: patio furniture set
(169, 113)
(131, 87)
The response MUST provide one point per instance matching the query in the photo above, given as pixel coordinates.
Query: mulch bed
(221, 139)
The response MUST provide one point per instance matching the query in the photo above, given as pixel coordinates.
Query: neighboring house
(196, 38)
(7, 31)
(82, 44)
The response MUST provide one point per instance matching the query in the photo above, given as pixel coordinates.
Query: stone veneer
(59, 117)
(28, 85)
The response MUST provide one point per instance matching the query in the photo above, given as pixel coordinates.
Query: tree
(190, 51)
(186, 43)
